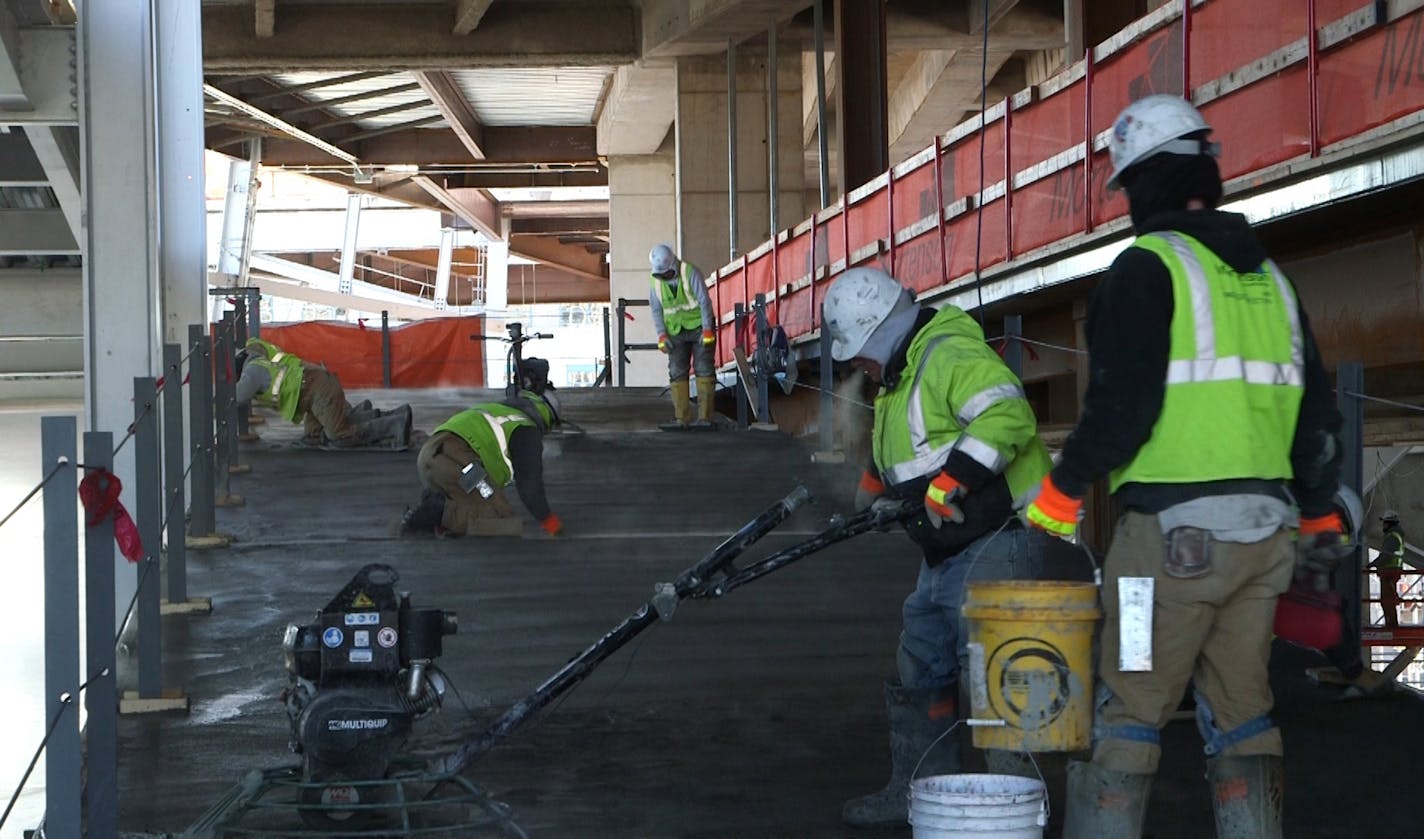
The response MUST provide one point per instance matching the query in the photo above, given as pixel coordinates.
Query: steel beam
(277, 123)
(348, 242)
(422, 147)
(120, 301)
(293, 90)
(413, 37)
(440, 86)
(468, 14)
(399, 107)
(36, 233)
(12, 92)
(392, 129)
(57, 149)
(323, 104)
(472, 205)
(42, 84)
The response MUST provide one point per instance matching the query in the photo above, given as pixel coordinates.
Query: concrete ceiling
(444, 103)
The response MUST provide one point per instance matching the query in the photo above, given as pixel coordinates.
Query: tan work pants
(323, 407)
(1215, 630)
(439, 464)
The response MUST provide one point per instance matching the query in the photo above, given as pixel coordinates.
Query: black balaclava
(1166, 182)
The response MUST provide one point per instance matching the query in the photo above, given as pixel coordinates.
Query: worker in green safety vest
(685, 324)
(953, 429)
(1389, 565)
(308, 393)
(1209, 412)
(474, 455)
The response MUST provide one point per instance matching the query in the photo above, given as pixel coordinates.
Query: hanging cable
(60, 464)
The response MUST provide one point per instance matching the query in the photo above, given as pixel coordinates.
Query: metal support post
(732, 149)
(173, 457)
(828, 405)
(607, 350)
(101, 702)
(224, 440)
(254, 312)
(739, 329)
(622, 342)
(386, 349)
(763, 361)
(200, 431)
(1013, 347)
(61, 644)
(822, 153)
(239, 340)
(1349, 384)
(227, 363)
(148, 490)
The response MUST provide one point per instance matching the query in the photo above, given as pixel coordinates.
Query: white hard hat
(1152, 125)
(1354, 511)
(662, 259)
(858, 302)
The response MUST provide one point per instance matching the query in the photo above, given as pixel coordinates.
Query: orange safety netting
(426, 353)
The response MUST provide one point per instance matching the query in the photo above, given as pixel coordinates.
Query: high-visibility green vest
(1392, 553)
(285, 388)
(957, 393)
(1235, 372)
(681, 310)
(487, 428)
(268, 348)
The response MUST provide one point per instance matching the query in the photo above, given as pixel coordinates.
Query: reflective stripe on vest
(497, 424)
(681, 310)
(1235, 372)
(927, 459)
(487, 429)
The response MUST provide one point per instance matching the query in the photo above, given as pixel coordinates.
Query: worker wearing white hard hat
(953, 430)
(685, 324)
(1209, 412)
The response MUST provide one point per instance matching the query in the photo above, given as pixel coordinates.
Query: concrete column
(442, 267)
(642, 212)
(497, 277)
(862, 123)
(183, 257)
(701, 151)
(121, 305)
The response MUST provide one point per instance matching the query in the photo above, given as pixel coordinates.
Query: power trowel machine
(362, 673)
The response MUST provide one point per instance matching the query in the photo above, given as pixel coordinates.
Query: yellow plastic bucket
(1031, 663)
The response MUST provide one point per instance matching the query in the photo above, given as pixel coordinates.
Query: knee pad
(1217, 741)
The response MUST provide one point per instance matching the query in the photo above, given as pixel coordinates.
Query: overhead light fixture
(403, 168)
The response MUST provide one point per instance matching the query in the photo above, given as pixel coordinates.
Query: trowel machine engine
(361, 674)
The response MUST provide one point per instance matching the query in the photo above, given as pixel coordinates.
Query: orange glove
(552, 525)
(662, 342)
(1051, 510)
(708, 338)
(940, 499)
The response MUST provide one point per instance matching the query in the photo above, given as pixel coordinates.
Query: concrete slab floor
(753, 716)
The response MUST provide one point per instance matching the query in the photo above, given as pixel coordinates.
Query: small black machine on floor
(362, 674)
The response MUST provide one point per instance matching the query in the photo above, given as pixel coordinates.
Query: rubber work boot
(392, 430)
(1103, 804)
(681, 406)
(911, 733)
(424, 517)
(706, 395)
(1246, 794)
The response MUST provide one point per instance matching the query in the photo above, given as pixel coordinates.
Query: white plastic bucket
(978, 807)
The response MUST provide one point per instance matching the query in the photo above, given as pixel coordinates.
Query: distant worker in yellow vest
(686, 324)
(1211, 415)
(1390, 564)
(474, 455)
(310, 394)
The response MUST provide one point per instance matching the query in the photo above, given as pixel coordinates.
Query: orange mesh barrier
(426, 353)
(1249, 64)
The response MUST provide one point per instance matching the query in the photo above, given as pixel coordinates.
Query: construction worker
(952, 429)
(1390, 564)
(474, 455)
(685, 322)
(312, 395)
(1208, 410)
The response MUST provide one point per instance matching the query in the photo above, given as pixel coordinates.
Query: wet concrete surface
(752, 716)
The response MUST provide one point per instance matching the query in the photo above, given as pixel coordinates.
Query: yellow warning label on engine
(362, 601)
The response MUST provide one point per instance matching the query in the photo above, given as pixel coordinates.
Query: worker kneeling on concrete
(952, 427)
(473, 456)
(683, 317)
(309, 393)
(1211, 415)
